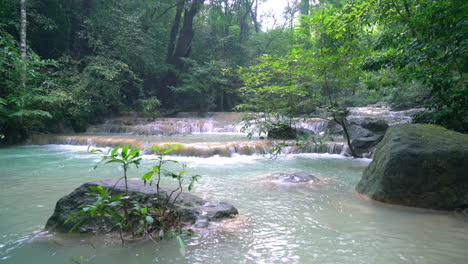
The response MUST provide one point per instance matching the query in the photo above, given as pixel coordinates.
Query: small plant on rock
(158, 218)
(167, 200)
(124, 157)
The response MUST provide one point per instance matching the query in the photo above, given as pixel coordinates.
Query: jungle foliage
(89, 59)
(404, 53)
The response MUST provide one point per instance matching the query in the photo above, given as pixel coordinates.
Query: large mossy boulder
(192, 209)
(419, 165)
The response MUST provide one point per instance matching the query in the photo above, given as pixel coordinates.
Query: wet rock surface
(366, 133)
(193, 209)
(282, 132)
(298, 177)
(419, 165)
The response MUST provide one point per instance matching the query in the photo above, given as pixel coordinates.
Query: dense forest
(65, 64)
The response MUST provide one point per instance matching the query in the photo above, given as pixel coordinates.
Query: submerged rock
(419, 165)
(298, 177)
(193, 209)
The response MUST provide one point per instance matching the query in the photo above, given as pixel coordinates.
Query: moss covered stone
(419, 165)
(192, 209)
(282, 132)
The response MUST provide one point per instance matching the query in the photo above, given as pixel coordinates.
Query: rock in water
(282, 132)
(419, 165)
(193, 209)
(365, 134)
(295, 177)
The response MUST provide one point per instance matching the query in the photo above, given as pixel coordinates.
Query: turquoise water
(325, 223)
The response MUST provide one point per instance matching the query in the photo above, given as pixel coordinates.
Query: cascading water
(208, 134)
(212, 123)
(314, 125)
(383, 113)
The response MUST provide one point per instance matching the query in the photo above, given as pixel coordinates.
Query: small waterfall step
(209, 134)
(193, 146)
(182, 123)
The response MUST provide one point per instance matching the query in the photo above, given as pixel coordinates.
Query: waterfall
(383, 113)
(217, 123)
(314, 125)
(210, 134)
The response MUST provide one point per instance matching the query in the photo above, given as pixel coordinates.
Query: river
(278, 223)
(324, 223)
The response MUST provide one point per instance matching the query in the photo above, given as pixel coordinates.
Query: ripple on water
(278, 224)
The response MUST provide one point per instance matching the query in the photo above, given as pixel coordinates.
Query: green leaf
(134, 153)
(181, 245)
(97, 188)
(192, 182)
(73, 216)
(156, 148)
(167, 151)
(114, 160)
(93, 150)
(116, 197)
(172, 175)
(114, 150)
(137, 161)
(125, 150)
(115, 214)
(76, 226)
(147, 176)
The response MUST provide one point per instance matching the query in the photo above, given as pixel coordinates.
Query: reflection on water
(324, 223)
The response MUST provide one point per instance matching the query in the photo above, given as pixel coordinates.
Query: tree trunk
(184, 43)
(244, 26)
(221, 100)
(80, 45)
(254, 15)
(173, 35)
(342, 121)
(180, 45)
(24, 22)
(304, 9)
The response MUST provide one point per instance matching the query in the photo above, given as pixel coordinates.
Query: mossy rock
(419, 165)
(192, 209)
(282, 132)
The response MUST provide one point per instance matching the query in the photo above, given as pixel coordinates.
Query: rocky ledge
(193, 209)
(419, 165)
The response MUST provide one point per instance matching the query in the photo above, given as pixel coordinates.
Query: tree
(426, 42)
(180, 43)
(24, 22)
(277, 90)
